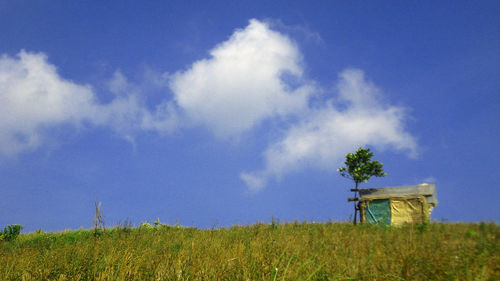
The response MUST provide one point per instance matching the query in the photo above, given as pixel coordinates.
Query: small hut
(397, 205)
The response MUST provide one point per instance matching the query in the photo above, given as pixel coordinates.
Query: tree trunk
(355, 207)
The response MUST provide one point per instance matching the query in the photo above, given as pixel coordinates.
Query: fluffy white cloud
(327, 134)
(241, 83)
(34, 99)
(254, 76)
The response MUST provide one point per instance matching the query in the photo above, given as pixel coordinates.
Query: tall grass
(292, 251)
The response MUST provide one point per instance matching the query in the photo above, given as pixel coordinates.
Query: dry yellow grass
(292, 251)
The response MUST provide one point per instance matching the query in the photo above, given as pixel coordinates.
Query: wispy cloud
(429, 180)
(34, 99)
(356, 117)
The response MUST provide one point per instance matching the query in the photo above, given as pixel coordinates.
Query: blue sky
(215, 113)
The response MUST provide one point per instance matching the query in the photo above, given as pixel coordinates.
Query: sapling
(359, 168)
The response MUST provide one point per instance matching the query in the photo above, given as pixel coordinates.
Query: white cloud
(254, 76)
(119, 84)
(429, 180)
(34, 99)
(255, 181)
(127, 112)
(327, 134)
(241, 83)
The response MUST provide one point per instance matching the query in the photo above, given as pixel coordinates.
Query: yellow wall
(408, 211)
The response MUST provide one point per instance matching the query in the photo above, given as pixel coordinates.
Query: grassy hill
(292, 251)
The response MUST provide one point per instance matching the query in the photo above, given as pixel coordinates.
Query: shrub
(10, 232)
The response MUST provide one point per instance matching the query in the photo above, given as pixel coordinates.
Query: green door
(378, 211)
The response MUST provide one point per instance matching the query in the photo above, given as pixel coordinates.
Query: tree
(359, 168)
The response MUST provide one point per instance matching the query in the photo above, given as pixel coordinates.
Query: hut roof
(408, 191)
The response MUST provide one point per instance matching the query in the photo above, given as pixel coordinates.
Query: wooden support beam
(352, 199)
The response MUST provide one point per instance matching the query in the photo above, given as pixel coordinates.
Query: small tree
(359, 168)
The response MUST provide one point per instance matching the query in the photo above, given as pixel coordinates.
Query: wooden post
(361, 212)
(357, 205)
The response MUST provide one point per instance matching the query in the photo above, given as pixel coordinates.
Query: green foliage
(423, 227)
(10, 232)
(157, 223)
(360, 168)
(146, 225)
(275, 222)
(274, 251)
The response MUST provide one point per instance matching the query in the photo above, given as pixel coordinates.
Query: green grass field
(292, 251)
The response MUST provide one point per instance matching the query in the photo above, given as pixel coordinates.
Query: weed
(422, 227)
(10, 232)
(124, 227)
(98, 220)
